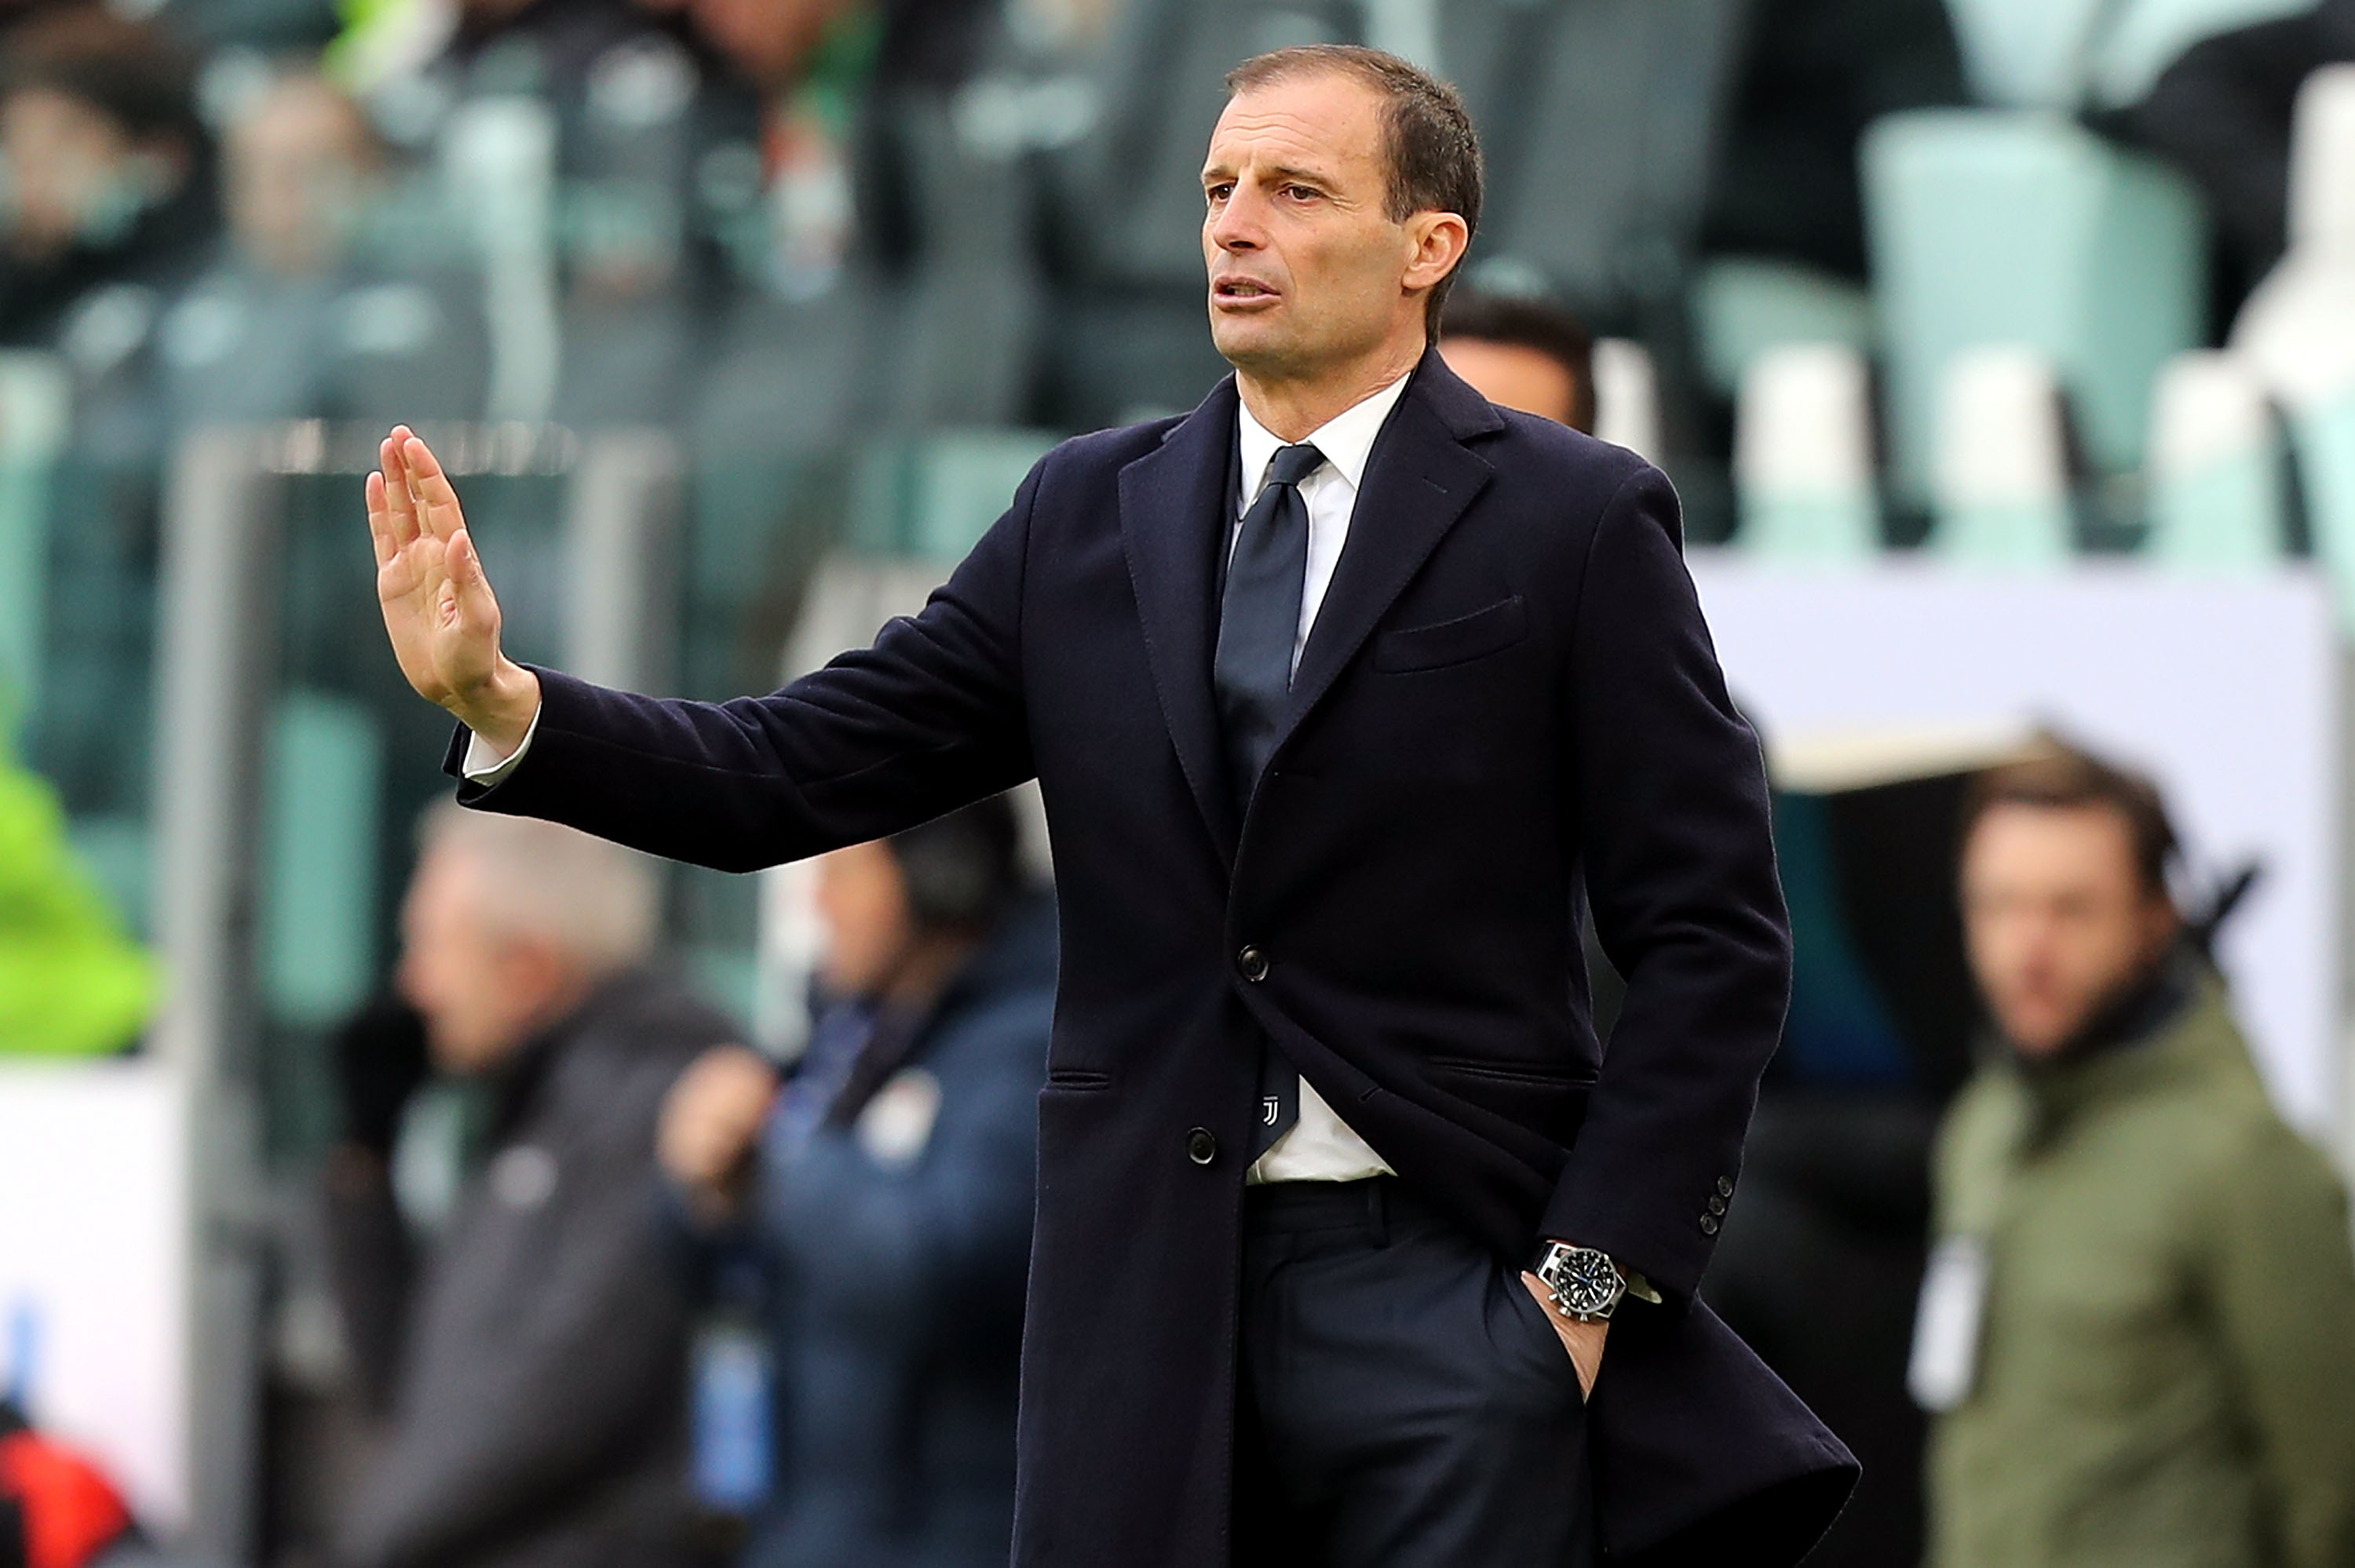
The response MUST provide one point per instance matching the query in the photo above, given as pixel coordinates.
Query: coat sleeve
(1669, 795)
(929, 718)
(2281, 1283)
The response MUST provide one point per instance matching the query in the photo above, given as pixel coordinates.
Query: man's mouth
(1240, 290)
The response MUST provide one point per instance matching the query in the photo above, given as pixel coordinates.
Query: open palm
(438, 605)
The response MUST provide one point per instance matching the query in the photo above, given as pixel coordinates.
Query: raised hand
(438, 606)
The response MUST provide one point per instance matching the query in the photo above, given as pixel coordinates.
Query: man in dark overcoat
(1353, 1248)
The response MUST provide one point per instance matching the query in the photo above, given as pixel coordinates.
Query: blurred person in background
(2139, 1325)
(539, 1416)
(1519, 354)
(895, 1163)
(108, 182)
(301, 317)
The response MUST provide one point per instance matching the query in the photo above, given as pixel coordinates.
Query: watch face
(1587, 1280)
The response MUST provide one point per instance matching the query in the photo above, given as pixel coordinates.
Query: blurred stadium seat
(2298, 328)
(2065, 54)
(2215, 469)
(1803, 456)
(2001, 483)
(35, 403)
(1746, 306)
(2024, 229)
(324, 827)
(1627, 397)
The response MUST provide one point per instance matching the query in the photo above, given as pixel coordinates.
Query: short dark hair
(1537, 324)
(127, 69)
(2060, 776)
(1435, 154)
(963, 869)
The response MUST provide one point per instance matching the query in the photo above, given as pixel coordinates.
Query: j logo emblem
(1270, 1108)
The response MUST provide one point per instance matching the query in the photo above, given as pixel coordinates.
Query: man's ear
(1436, 242)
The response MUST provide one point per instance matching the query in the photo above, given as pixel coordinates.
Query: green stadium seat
(2001, 487)
(1803, 456)
(2297, 330)
(319, 868)
(2066, 54)
(2215, 470)
(2024, 229)
(35, 407)
(933, 497)
(1746, 306)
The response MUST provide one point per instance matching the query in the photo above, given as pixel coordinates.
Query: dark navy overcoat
(1508, 686)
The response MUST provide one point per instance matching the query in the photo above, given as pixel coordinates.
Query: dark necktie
(1258, 621)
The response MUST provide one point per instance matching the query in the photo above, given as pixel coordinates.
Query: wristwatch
(1586, 1285)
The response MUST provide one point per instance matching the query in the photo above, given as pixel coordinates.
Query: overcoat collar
(1173, 519)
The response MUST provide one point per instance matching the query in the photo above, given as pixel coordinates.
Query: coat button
(1725, 1186)
(1200, 1147)
(1716, 1205)
(1709, 1225)
(1252, 963)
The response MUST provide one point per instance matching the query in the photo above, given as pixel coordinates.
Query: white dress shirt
(1320, 1146)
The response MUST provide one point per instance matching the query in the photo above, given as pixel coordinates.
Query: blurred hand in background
(711, 1124)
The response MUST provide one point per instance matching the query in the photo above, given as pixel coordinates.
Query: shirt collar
(1346, 439)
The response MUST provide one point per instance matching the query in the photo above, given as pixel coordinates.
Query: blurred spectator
(539, 1414)
(1814, 74)
(1522, 353)
(2222, 111)
(885, 1194)
(381, 1061)
(109, 205)
(2139, 1320)
(302, 318)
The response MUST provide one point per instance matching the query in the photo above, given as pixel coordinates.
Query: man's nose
(1236, 226)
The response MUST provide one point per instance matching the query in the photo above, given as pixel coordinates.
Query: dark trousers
(1402, 1401)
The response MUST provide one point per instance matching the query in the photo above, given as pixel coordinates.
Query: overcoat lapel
(1419, 481)
(1171, 503)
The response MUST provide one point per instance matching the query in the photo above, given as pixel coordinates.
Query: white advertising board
(94, 1266)
(2226, 692)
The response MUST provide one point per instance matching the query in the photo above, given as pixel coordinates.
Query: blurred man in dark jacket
(539, 1412)
(895, 1163)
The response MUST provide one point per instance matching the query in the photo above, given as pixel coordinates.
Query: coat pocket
(1456, 641)
(1550, 1102)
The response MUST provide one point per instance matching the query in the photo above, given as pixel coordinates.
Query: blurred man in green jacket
(2138, 1327)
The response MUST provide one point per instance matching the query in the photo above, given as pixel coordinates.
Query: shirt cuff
(484, 769)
